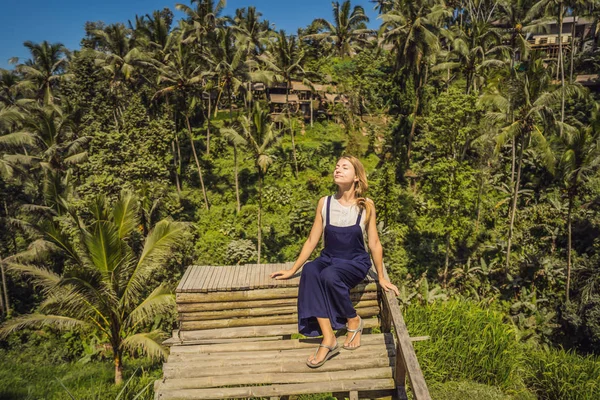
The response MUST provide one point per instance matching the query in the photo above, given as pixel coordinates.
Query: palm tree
(523, 108)
(226, 61)
(253, 35)
(473, 53)
(580, 157)
(185, 77)
(348, 30)
(203, 19)
(411, 28)
(284, 61)
(554, 8)
(259, 136)
(47, 132)
(45, 69)
(106, 290)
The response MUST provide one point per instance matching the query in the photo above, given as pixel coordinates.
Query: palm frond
(147, 343)
(125, 211)
(38, 321)
(160, 302)
(40, 276)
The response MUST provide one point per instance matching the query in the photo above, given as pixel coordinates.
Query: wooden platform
(235, 341)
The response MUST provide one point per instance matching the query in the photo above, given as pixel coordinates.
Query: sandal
(355, 332)
(333, 350)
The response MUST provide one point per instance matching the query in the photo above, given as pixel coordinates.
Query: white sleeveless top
(342, 215)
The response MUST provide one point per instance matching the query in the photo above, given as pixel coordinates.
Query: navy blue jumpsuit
(326, 281)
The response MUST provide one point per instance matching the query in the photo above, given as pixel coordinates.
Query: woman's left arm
(377, 251)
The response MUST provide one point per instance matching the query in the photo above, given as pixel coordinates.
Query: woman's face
(344, 173)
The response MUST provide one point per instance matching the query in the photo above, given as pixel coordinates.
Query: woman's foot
(327, 346)
(355, 327)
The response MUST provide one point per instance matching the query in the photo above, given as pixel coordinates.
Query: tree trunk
(258, 220)
(414, 122)
(311, 110)
(569, 215)
(208, 127)
(447, 261)
(236, 178)
(187, 120)
(118, 368)
(3, 308)
(176, 169)
(289, 115)
(572, 45)
(561, 62)
(513, 210)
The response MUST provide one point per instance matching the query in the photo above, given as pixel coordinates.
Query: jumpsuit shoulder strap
(359, 216)
(327, 213)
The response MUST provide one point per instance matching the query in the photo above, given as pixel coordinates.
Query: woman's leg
(328, 340)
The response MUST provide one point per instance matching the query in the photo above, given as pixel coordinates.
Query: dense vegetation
(147, 150)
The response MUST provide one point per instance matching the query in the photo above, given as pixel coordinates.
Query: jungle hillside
(161, 143)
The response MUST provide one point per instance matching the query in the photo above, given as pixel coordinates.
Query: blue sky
(63, 21)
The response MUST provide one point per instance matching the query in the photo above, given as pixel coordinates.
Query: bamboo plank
(275, 390)
(257, 311)
(250, 275)
(275, 378)
(272, 293)
(184, 278)
(203, 284)
(225, 277)
(214, 281)
(353, 395)
(252, 331)
(255, 357)
(234, 276)
(205, 277)
(244, 283)
(193, 324)
(222, 278)
(200, 278)
(266, 355)
(189, 284)
(179, 343)
(366, 340)
(231, 305)
(341, 362)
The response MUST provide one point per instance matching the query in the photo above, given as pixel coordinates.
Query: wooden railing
(407, 364)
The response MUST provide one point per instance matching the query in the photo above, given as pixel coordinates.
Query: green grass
(467, 343)
(556, 374)
(30, 373)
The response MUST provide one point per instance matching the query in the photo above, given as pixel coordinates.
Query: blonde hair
(360, 186)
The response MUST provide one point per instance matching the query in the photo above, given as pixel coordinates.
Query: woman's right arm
(309, 246)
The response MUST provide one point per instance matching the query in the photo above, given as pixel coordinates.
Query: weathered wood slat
(184, 278)
(259, 312)
(366, 340)
(275, 378)
(203, 284)
(406, 361)
(195, 270)
(276, 390)
(231, 305)
(256, 357)
(256, 321)
(258, 294)
(251, 331)
(342, 362)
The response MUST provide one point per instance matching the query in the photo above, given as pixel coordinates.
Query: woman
(324, 294)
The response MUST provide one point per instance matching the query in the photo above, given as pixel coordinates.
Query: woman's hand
(283, 274)
(387, 286)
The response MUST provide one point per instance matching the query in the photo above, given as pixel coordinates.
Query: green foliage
(466, 342)
(555, 374)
